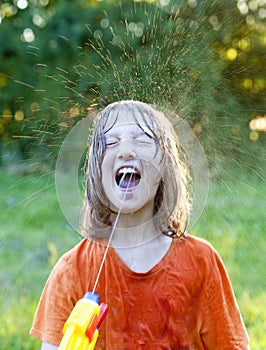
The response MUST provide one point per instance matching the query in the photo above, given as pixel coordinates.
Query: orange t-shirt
(182, 302)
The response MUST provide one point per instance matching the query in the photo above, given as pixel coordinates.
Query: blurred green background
(60, 60)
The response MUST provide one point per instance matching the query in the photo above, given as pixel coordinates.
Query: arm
(48, 346)
(58, 299)
(221, 308)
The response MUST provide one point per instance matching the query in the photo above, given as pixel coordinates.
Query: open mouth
(127, 177)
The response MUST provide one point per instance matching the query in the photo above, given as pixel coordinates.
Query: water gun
(81, 328)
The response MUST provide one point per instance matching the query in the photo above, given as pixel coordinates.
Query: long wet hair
(171, 203)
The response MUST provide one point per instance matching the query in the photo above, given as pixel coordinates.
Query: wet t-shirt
(184, 302)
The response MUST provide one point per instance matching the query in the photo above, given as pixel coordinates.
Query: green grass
(34, 233)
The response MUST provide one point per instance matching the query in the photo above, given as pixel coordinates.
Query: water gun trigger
(96, 321)
(103, 312)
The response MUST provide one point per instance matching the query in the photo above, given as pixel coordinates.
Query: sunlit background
(60, 60)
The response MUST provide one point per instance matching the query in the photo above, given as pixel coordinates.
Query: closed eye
(145, 139)
(109, 142)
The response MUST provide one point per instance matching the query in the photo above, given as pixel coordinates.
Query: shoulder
(86, 250)
(200, 254)
(67, 262)
(79, 249)
(79, 263)
(198, 248)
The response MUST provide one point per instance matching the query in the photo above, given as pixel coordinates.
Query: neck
(134, 229)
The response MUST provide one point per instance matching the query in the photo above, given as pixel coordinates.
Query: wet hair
(171, 203)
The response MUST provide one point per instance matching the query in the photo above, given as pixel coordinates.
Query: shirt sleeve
(60, 294)
(222, 326)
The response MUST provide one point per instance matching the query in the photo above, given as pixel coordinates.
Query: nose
(126, 151)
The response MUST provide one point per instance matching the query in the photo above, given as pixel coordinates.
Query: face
(132, 164)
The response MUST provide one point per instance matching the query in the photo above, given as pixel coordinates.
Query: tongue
(128, 181)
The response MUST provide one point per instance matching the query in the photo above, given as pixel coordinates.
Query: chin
(133, 205)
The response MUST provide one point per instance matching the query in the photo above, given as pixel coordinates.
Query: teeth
(127, 170)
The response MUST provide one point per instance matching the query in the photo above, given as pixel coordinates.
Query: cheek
(103, 167)
(155, 165)
(106, 165)
(106, 176)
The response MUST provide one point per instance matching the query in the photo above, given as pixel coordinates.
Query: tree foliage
(201, 59)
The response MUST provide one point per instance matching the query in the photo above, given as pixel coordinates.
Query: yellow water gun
(81, 328)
